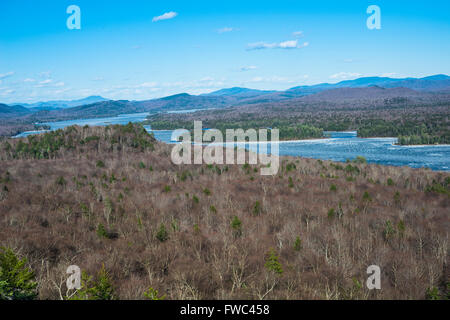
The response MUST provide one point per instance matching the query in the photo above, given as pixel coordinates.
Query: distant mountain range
(365, 93)
(61, 104)
(181, 101)
(6, 110)
(367, 88)
(239, 92)
(434, 83)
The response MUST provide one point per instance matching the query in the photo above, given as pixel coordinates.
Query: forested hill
(423, 119)
(223, 231)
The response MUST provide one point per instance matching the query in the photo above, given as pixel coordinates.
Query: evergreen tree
(16, 280)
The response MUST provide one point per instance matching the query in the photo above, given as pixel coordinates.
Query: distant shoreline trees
(407, 132)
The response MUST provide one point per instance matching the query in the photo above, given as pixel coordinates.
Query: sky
(137, 50)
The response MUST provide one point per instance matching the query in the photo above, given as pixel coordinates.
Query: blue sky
(120, 52)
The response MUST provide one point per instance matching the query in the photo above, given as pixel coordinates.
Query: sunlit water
(339, 147)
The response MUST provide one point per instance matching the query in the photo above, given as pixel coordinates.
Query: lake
(340, 146)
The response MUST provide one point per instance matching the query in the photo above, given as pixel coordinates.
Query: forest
(413, 125)
(109, 200)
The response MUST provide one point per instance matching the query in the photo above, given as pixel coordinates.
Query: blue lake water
(340, 146)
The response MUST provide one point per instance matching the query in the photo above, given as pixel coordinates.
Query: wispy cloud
(273, 79)
(345, 75)
(6, 75)
(165, 16)
(248, 68)
(290, 44)
(389, 74)
(49, 83)
(60, 91)
(147, 85)
(7, 92)
(46, 81)
(29, 80)
(195, 86)
(297, 34)
(226, 29)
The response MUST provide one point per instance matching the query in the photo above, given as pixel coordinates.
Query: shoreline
(249, 145)
(281, 141)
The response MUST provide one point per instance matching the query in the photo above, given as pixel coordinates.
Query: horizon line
(224, 88)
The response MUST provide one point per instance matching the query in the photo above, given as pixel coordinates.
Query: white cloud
(273, 79)
(248, 68)
(200, 85)
(6, 75)
(290, 44)
(345, 75)
(261, 45)
(389, 74)
(136, 88)
(7, 92)
(29, 80)
(165, 16)
(297, 33)
(60, 91)
(226, 29)
(147, 85)
(46, 81)
(98, 79)
(49, 83)
(257, 79)
(305, 44)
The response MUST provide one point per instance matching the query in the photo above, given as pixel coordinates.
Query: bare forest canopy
(110, 200)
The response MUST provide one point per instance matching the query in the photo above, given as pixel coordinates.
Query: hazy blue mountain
(434, 83)
(63, 104)
(109, 108)
(6, 110)
(364, 93)
(185, 101)
(358, 89)
(431, 83)
(437, 77)
(239, 92)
